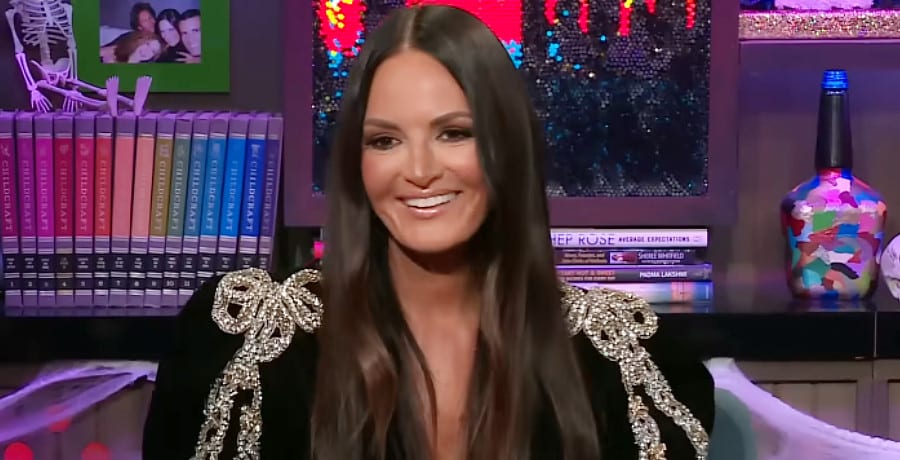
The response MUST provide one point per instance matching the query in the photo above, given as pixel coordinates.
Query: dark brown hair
(132, 41)
(366, 402)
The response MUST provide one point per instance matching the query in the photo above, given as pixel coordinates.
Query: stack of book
(660, 265)
(112, 215)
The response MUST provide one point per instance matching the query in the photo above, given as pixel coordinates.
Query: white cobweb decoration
(784, 433)
(63, 390)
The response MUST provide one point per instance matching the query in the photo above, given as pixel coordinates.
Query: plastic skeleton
(45, 23)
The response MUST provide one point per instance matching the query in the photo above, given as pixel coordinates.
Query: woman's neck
(433, 288)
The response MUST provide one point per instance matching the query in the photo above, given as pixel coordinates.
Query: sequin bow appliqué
(615, 322)
(268, 315)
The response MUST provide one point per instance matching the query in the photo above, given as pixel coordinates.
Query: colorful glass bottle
(834, 222)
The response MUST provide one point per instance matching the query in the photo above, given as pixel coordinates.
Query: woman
(167, 29)
(138, 47)
(442, 331)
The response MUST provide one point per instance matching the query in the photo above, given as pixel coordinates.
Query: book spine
(140, 213)
(9, 215)
(27, 209)
(123, 185)
(64, 175)
(661, 293)
(634, 274)
(629, 238)
(272, 178)
(159, 209)
(46, 262)
(190, 246)
(248, 242)
(212, 198)
(84, 208)
(232, 191)
(181, 158)
(103, 210)
(660, 256)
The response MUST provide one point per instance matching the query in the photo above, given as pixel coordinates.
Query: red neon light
(342, 19)
(18, 451)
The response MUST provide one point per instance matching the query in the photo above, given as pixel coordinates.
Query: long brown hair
(366, 402)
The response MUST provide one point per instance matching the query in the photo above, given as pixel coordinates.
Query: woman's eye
(381, 143)
(456, 135)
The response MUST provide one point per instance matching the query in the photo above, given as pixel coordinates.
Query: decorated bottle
(834, 222)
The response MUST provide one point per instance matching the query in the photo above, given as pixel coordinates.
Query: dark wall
(256, 71)
(779, 92)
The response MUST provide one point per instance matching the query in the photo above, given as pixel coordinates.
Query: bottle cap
(834, 80)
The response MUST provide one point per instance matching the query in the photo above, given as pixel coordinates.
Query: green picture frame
(211, 75)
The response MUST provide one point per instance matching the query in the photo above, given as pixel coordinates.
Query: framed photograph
(166, 39)
(819, 19)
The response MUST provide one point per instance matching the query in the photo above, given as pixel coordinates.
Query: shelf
(818, 55)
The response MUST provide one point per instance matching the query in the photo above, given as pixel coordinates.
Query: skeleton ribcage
(44, 18)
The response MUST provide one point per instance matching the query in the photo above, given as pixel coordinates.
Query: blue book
(212, 196)
(232, 191)
(270, 192)
(251, 211)
(193, 208)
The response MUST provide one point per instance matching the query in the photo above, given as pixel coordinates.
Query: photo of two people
(161, 31)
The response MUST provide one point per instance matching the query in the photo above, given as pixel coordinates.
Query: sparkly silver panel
(623, 92)
(270, 312)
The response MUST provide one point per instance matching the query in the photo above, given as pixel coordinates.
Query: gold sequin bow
(615, 322)
(269, 314)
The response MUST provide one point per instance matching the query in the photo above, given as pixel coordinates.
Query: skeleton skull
(890, 266)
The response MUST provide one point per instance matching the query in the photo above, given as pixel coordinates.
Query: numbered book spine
(140, 213)
(9, 215)
(27, 208)
(85, 155)
(46, 220)
(212, 198)
(181, 157)
(270, 192)
(232, 191)
(248, 243)
(64, 175)
(103, 210)
(123, 186)
(190, 245)
(159, 209)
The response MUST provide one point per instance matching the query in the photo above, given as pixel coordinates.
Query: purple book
(272, 176)
(9, 214)
(27, 209)
(44, 207)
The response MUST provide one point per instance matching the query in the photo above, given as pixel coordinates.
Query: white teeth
(430, 201)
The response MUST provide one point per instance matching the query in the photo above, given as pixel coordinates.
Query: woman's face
(146, 51)
(420, 164)
(168, 32)
(146, 22)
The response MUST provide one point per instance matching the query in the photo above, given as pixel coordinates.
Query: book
(212, 198)
(44, 205)
(190, 245)
(85, 173)
(103, 210)
(123, 187)
(63, 186)
(27, 209)
(248, 241)
(181, 158)
(159, 209)
(140, 212)
(271, 187)
(9, 213)
(628, 238)
(232, 186)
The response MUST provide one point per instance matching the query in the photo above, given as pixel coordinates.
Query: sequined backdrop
(622, 86)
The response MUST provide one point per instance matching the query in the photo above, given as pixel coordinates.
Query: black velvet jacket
(202, 350)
